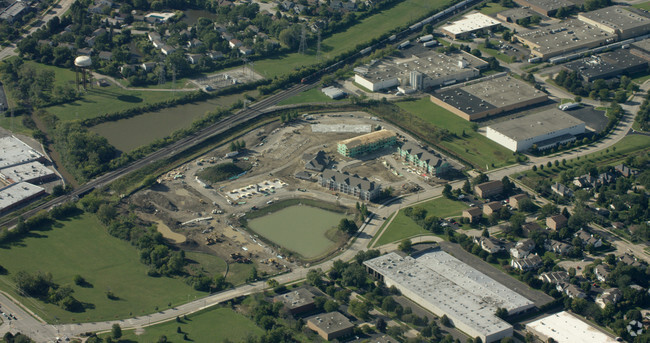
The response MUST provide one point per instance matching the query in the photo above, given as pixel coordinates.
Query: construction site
(281, 162)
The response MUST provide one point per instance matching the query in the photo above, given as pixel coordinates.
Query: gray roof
(618, 18)
(422, 154)
(606, 65)
(354, 181)
(17, 192)
(317, 161)
(296, 298)
(459, 290)
(564, 35)
(536, 124)
(330, 322)
(14, 151)
(551, 5)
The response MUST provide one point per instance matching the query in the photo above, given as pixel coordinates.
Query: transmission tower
(318, 46)
(161, 75)
(303, 40)
(174, 80)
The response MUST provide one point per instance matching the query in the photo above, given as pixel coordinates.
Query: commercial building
(625, 22)
(367, 143)
(544, 129)
(297, 301)
(470, 23)
(32, 172)
(419, 72)
(489, 189)
(512, 15)
(488, 97)
(564, 37)
(444, 285)
(608, 65)
(333, 92)
(546, 7)
(330, 325)
(14, 152)
(18, 193)
(349, 184)
(13, 11)
(565, 327)
(424, 160)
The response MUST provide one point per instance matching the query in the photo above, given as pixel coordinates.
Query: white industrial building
(564, 327)
(469, 24)
(444, 285)
(420, 72)
(17, 194)
(544, 129)
(14, 152)
(32, 172)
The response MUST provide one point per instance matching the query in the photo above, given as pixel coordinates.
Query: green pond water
(298, 228)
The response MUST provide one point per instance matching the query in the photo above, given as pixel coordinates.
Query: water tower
(82, 63)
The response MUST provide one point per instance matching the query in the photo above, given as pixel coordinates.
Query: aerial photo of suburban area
(353, 171)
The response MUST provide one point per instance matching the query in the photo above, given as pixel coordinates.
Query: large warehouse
(610, 64)
(564, 327)
(545, 129)
(626, 22)
(469, 24)
(421, 71)
(444, 285)
(545, 7)
(488, 97)
(564, 37)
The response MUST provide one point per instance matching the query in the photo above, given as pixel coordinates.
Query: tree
(348, 226)
(501, 313)
(444, 320)
(467, 188)
(315, 277)
(381, 325)
(360, 309)
(405, 245)
(116, 331)
(485, 233)
(446, 191)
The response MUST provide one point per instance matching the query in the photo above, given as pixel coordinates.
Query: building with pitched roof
(424, 160)
(368, 143)
(489, 189)
(349, 184)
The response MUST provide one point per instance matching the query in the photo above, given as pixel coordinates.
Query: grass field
(301, 229)
(82, 246)
(492, 8)
(473, 147)
(643, 5)
(366, 30)
(209, 264)
(14, 124)
(215, 325)
(404, 227)
(312, 95)
(496, 53)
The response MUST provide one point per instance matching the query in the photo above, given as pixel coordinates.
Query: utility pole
(303, 40)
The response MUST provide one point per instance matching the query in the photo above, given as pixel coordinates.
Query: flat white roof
(536, 124)
(26, 172)
(449, 284)
(470, 22)
(564, 327)
(17, 192)
(13, 151)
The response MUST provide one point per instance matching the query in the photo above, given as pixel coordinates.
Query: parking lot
(593, 118)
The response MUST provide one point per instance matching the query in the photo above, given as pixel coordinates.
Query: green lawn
(473, 147)
(82, 246)
(492, 8)
(643, 5)
(208, 264)
(496, 53)
(102, 100)
(366, 30)
(404, 227)
(312, 95)
(215, 325)
(14, 124)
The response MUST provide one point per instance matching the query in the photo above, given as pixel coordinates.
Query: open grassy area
(643, 5)
(214, 325)
(492, 8)
(364, 31)
(473, 147)
(14, 124)
(496, 53)
(82, 246)
(404, 227)
(312, 95)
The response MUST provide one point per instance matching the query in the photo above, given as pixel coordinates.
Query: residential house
(561, 190)
(90, 41)
(523, 248)
(527, 229)
(424, 160)
(194, 58)
(516, 199)
(609, 296)
(96, 9)
(474, 214)
(529, 262)
(126, 68)
(154, 36)
(317, 162)
(194, 43)
(632, 260)
(490, 244)
(227, 36)
(556, 222)
(588, 238)
(244, 50)
(148, 66)
(554, 277)
(235, 43)
(618, 225)
(602, 272)
(84, 51)
(167, 50)
(557, 247)
(492, 207)
(215, 55)
(489, 189)
(572, 291)
(100, 31)
(625, 170)
(585, 181)
(605, 178)
(105, 55)
(349, 184)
